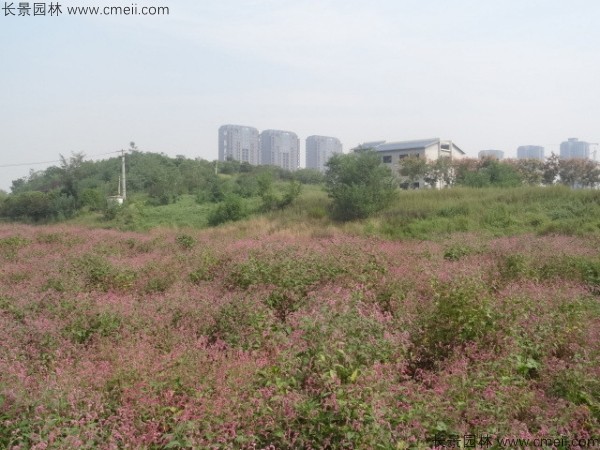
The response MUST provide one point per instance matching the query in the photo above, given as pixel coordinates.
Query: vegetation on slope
(206, 339)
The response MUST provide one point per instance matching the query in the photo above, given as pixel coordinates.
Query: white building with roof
(392, 153)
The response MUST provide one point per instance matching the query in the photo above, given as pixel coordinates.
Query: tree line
(501, 173)
(360, 185)
(76, 184)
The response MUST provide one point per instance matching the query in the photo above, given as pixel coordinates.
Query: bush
(230, 210)
(358, 185)
(33, 205)
(461, 314)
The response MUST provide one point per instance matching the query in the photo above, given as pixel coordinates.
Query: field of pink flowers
(206, 340)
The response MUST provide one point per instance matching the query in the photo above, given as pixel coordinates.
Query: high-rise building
(530, 152)
(574, 148)
(319, 149)
(495, 154)
(280, 148)
(240, 143)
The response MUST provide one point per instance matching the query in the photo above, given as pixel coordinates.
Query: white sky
(486, 74)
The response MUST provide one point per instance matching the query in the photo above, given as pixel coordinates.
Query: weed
(185, 241)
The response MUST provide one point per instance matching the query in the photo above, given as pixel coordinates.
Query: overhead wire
(52, 161)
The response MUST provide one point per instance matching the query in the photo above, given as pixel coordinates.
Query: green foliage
(579, 386)
(246, 185)
(456, 252)
(429, 213)
(185, 241)
(36, 206)
(229, 210)
(159, 283)
(413, 168)
(331, 411)
(491, 173)
(579, 172)
(531, 171)
(82, 327)
(290, 276)
(9, 246)
(207, 269)
(461, 313)
(309, 176)
(98, 273)
(358, 185)
(240, 324)
(577, 268)
(270, 200)
(94, 199)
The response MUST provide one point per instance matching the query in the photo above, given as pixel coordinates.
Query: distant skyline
(484, 74)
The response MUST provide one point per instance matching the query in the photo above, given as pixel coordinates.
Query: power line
(29, 164)
(50, 162)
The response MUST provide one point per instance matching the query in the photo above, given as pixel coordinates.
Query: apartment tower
(530, 152)
(319, 149)
(280, 148)
(240, 143)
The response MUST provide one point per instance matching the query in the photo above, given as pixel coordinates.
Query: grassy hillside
(289, 331)
(420, 214)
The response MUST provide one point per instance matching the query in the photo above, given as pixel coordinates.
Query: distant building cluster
(572, 148)
(274, 147)
(282, 149)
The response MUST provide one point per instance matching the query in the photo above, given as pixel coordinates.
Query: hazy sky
(486, 74)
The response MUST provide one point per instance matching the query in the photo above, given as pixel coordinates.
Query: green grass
(138, 216)
(427, 214)
(419, 214)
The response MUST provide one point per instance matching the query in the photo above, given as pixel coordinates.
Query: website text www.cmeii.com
(26, 9)
(487, 441)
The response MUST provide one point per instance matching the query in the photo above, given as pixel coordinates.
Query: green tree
(309, 176)
(531, 171)
(578, 172)
(501, 174)
(487, 172)
(31, 205)
(270, 200)
(358, 185)
(71, 173)
(551, 169)
(413, 169)
(439, 171)
(230, 209)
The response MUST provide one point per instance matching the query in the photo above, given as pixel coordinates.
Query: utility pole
(595, 151)
(124, 190)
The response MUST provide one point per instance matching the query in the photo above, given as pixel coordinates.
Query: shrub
(229, 210)
(461, 313)
(185, 241)
(358, 185)
(98, 273)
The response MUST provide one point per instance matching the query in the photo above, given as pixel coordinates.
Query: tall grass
(418, 214)
(427, 214)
